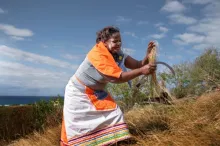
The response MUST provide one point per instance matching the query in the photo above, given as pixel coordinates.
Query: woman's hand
(148, 69)
(150, 47)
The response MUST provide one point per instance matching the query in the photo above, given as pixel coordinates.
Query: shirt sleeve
(103, 61)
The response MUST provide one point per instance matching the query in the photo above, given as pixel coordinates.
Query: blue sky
(43, 42)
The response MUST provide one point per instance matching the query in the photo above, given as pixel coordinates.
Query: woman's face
(114, 43)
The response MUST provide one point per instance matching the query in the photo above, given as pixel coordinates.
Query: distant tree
(206, 69)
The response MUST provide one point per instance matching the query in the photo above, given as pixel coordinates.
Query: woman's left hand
(150, 46)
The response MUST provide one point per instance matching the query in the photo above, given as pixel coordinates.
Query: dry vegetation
(185, 123)
(49, 138)
(193, 122)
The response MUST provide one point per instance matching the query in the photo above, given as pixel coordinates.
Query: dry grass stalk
(49, 138)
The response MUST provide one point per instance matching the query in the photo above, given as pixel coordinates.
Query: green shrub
(45, 112)
(18, 121)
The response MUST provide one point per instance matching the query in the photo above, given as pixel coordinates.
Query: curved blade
(171, 69)
(158, 62)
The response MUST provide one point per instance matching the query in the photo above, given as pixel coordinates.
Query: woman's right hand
(148, 69)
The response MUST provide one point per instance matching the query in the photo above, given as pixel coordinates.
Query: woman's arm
(132, 63)
(142, 67)
(129, 75)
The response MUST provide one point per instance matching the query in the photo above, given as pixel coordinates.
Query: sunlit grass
(193, 122)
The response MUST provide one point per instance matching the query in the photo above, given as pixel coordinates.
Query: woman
(90, 114)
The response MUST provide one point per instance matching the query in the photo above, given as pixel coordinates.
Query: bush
(18, 121)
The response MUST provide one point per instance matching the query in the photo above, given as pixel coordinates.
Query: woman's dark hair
(106, 33)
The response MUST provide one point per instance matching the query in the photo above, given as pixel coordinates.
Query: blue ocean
(20, 100)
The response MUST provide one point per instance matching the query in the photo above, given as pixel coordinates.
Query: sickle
(167, 65)
(158, 62)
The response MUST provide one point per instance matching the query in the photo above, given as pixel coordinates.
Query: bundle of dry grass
(155, 88)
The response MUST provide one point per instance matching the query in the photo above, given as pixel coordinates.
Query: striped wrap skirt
(89, 119)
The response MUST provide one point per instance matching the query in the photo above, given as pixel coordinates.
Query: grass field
(189, 122)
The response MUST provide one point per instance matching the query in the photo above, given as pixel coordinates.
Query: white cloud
(212, 9)
(159, 24)
(17, 38)
(172, 57)
(13, 31)
(181, 19)
(16, 74)
(191, 52)
(211, 6)
(35, 58)
(201, 46)
(142, 22)
(199, 1)
(130, 34)
(161, 35)
(1, 11)
(173, 6)
(128, 51)
(209, 34)
(73, 57)
(188, 38)
(44, 46)
(210, 27)
(206, 26)
(122, 19)
(158, 36)
(163, 29)
(178, 42)
(207, 29)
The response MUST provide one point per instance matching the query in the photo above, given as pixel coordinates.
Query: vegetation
(198, 77)
(18, 121)
(192, 119)
(187, 122)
